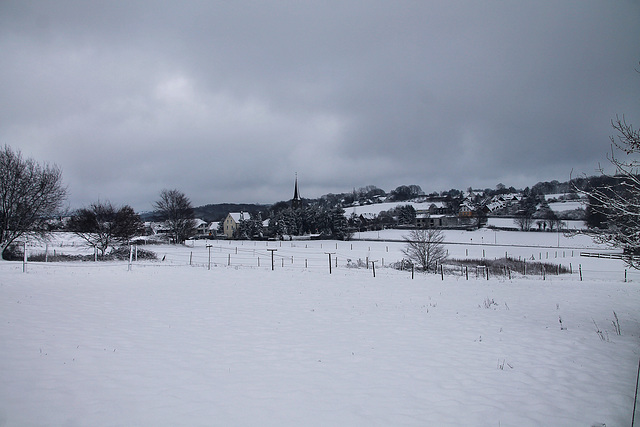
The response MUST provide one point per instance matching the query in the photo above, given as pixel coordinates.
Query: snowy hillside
(381, 207)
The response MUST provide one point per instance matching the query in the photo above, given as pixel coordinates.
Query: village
(471, 210)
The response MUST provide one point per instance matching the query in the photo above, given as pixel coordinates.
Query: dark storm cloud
(226, 100)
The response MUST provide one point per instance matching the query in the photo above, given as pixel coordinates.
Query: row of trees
(31, 194)
(330, 223)
(104, 226)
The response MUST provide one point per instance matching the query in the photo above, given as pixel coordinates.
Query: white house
(202, 227)
(231, 222)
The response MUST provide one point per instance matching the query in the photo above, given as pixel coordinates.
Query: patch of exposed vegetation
(118, 254)
(502, 266)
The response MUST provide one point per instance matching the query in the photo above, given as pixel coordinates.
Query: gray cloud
(226, 100)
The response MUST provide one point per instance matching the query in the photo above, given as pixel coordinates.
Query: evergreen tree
(406, 214)
(340, 229)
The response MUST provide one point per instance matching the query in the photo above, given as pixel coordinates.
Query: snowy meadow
(214, 333)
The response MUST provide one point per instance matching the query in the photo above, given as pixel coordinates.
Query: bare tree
(618, 198)
(30, 194)
(102, 225)
(425, 248)
(524, 221)
(524, 217)
(177, 211)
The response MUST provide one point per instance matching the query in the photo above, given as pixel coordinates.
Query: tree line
(32, 194)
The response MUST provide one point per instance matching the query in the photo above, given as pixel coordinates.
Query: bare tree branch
(617, 198)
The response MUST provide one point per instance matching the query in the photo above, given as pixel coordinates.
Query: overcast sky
(227, 100)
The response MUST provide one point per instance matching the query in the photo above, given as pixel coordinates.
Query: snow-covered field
(186, 341)
(567, 206)
(509, 222)
(376, 208)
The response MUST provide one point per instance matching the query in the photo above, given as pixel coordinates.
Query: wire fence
(330, 256)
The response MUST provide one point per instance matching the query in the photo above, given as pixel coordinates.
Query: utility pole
(329, 253)
(373, 265)
(272, 251)
(209, 264)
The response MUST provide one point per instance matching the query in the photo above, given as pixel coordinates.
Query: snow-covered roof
(473, 193)
(239, 216)
(368, 215)
(498, 204)
(438, 204)
(159, 227)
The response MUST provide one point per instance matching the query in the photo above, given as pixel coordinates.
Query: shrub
(501, 266)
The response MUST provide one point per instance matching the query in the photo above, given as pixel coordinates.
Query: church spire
(296, 202)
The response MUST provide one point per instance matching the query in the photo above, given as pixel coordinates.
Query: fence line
(320, 264)
(300, 254)
(603, 255)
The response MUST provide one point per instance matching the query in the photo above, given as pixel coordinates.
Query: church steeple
(296, 202)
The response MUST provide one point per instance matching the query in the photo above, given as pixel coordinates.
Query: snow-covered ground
(188, 342)
(376, 208)
(564, 196)
(567, 206)
(509, 222)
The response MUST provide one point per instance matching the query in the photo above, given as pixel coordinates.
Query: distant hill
(212, 212)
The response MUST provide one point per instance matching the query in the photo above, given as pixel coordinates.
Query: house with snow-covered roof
(496, 205)
(231, 222)
(201, 227)
(422, 219)
(466, 210)
(439, 208)
(508, 198)
(212, 230)
(157, 228)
